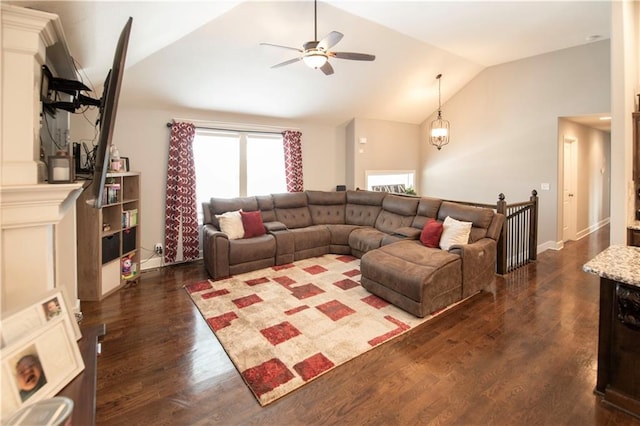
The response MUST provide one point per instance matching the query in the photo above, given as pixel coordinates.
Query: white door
(569, 190)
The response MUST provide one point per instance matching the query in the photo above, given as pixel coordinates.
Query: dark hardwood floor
(522, 354)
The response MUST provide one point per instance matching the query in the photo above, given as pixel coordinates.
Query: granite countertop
(635, 225)
(617, 263)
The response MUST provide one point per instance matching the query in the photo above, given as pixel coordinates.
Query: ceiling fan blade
(290, 61)
(327, 69)
(283, 47)
(353, 56)
(330, 40)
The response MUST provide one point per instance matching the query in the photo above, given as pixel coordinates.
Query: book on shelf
(129, 218)
(110, 194)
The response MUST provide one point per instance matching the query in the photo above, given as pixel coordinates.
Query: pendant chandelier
(439, 127)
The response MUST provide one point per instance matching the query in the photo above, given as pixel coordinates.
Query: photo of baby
(52, 308)
(29, 374)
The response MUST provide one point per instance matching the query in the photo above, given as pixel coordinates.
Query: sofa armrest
(275, 226)
(478, 264)
(407, 233)
(215, 251)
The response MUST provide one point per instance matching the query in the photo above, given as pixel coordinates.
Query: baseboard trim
(592, 228)
(158, 262)
(559, 245)
(153, 263)
(550, 245)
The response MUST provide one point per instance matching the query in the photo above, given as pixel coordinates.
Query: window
(390, 178)
(235, 164)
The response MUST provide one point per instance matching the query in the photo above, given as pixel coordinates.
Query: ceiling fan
(316, 54)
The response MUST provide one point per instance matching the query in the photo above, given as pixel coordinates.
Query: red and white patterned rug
(286, 325)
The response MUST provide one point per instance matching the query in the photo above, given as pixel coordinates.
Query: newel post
(501, 261)
(533, 229)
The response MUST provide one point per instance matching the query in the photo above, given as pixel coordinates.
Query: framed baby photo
(38, 365)
(51, 307)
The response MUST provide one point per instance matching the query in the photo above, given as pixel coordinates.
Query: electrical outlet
(158, 248)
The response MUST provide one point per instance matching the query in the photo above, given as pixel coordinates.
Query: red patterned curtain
(293, 160)
(181, 223)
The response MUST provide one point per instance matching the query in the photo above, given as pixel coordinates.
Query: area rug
(286, 325)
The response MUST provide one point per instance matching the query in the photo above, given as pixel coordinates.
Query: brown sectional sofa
(380, 228)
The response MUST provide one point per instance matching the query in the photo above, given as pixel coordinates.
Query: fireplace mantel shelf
(38, 204)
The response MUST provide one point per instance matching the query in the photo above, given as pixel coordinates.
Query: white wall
(504, 129)
(389, 146)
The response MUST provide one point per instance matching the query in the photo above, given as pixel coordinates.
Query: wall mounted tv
(107, 116)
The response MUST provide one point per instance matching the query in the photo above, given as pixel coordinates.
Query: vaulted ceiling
(207, 54)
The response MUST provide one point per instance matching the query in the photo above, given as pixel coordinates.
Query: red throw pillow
(431, 233)
(252, 223)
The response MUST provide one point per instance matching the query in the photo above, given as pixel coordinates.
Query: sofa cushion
(327, 207)
(363, 207)
(288, 200)
(404, 206)
(292, 209)
(406, 267)
(243, 250)
(397, 212)
(219, 206)
(311, 237)
(265, 204)
(480, 217)
(365, 239)
(340, 233)
(231, 224)
(252, 224)
(454, 232)
(295, 217)
(427, 208)
(431, 233)
(326, 198)
(388, 221)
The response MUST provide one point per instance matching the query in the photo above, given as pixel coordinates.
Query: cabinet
(633, 233)
(109, 238)
(636, 149)
(618, 378)
(633, 237)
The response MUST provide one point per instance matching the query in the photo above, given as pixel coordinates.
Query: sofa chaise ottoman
(422, 280)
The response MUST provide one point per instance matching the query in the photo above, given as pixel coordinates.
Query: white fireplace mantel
(37, 220)
(36, 205)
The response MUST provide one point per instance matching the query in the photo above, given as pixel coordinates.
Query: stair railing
(518, 243)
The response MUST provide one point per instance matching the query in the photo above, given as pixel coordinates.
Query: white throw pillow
(231, 224)
(454, 232)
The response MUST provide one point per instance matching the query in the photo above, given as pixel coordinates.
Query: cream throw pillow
(231, 224)
(454, 232)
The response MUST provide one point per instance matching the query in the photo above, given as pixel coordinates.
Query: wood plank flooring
(523, 353)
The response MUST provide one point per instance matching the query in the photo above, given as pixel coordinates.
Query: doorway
(569, 200)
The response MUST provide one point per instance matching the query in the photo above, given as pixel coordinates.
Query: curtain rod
(233, 130)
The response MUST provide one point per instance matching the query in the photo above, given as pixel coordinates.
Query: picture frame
(18, 323)
(118, 165)
(39, 364)
(125, 165)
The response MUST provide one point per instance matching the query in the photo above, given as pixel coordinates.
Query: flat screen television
(107, 116)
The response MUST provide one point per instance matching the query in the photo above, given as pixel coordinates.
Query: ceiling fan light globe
(315, 60)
